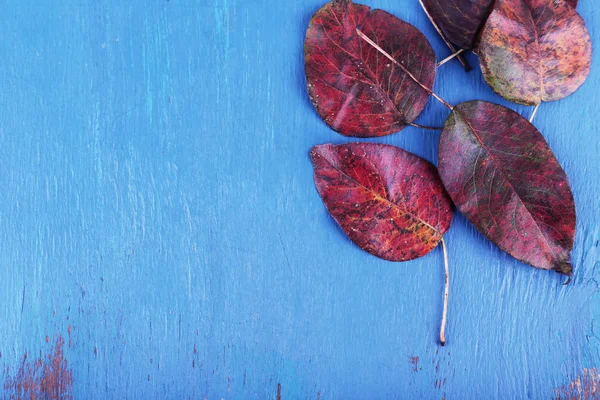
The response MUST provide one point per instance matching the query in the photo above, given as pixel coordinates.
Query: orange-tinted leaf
(500, 172)
(356, 89)
(534, 50)
(460, 20)
(391, 203)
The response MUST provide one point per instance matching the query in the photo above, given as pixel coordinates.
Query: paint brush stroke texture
(159, 197)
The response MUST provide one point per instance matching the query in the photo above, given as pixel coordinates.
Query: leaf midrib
(540, 70)
(371, 76)
(501, 170)
(383, 199)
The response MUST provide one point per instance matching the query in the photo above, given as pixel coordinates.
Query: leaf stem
(445, 60)
(376, 46)
(535, 110)
(429, 128)
(466, 66)
(446, 290)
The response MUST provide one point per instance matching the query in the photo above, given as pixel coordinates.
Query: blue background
(158, 198)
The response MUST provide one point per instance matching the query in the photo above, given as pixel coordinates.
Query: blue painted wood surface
(159, 214)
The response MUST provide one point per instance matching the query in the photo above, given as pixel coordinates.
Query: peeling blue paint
(158, 199)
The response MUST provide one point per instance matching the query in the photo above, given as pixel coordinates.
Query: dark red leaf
(460, 20)
(355, 88)
(503, 177)
(534, 50)
(391, 203)
(572, 3)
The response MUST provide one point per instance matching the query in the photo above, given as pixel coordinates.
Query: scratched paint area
(159, 215)
(46, 377)
(585, 387)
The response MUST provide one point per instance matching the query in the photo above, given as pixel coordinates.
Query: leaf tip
(565, 268)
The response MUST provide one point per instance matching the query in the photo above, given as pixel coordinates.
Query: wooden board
(162, 237)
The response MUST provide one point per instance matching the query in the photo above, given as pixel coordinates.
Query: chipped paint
(203, 193)
(585, 387)
(69, 330)
(414, 362)
(47, 377)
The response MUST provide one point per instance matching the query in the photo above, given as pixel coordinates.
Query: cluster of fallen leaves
(370, 74)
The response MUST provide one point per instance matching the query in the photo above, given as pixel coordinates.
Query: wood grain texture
(159, 214)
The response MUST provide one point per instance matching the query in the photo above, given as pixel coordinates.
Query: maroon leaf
(500, 172)
(353, 86)
(460, 20)
(572, 3)
(534, 50)
(391, 203)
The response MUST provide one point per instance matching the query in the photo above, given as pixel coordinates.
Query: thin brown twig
(429, 128)
(446, 293)
(461, 60)
(428, 90)
(445, 60)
